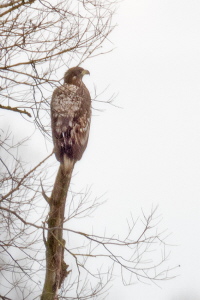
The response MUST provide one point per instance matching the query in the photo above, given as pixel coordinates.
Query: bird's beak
(84, 72)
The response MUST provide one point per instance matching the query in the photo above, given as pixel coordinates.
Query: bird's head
(75, 75)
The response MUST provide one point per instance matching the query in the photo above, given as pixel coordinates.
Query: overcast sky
(148, 152)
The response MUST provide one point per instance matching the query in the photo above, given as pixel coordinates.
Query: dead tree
(38, 40)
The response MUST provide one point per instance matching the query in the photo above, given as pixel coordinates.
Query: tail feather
(67, 165)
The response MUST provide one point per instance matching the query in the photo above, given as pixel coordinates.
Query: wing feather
(70, 115)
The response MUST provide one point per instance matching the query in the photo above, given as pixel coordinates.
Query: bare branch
(12, 3)
(39, 41)
(16, 110)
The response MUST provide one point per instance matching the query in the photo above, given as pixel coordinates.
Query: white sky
(147, 152)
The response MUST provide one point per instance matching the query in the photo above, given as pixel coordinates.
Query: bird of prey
(70, 118)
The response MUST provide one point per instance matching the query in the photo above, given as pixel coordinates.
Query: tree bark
(56, 268)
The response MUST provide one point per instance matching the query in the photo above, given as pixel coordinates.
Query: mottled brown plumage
(70, 117)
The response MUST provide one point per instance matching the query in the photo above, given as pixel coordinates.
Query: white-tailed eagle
(70, 117)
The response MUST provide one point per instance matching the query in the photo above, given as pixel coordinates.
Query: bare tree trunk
(56, 268)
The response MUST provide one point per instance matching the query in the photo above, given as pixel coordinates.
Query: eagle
(70, 118)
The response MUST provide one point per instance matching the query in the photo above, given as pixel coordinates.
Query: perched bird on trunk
(70, 118)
